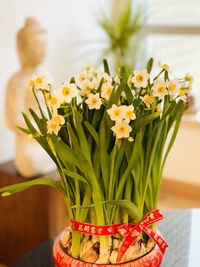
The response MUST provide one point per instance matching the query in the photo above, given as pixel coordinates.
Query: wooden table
(180, 229)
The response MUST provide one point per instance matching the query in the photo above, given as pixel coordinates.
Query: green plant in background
(107, 134)
(122, 31)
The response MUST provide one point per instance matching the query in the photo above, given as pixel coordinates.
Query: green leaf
(179, 115)
(93, 132)
(129, 94)
(124, 19)
(96, 163)
(40, 123)
(169, 110)
(73, 138)
(12, 189)
(65, 153)
(26, 131)
(81, 136)
(115, 96)
(106, 67)
(86, 202)
(104, 158)
(75, 175)
(149, 65)
(29, 124)
(131, 209)
(38, 103)
(130, 167)
(142, 122)
(120, 156)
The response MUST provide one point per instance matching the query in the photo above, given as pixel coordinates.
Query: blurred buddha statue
(30, 159)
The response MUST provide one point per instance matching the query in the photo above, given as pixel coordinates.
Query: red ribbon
(129, 231)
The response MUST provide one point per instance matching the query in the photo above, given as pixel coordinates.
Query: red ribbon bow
(135, 230)
(129, 231)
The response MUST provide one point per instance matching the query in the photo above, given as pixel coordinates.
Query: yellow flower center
(87, 89)
(95, 74)
(149, 99)
(189, 78)
(53, 126)
(117, 112)
(129, 114)
(57, 119)
(182, 92)
(172, 87)
(82, 78)
(66, 91)
(161, 89)
(94, 101)
(88, 68)
(139, 78)
(39, 80)
(122, 129)
(109, 90)
(53, 100)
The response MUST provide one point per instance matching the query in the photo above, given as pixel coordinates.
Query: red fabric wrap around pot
(152, 259)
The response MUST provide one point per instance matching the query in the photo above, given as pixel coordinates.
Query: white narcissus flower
(189, 78)
(140, 78)
(148, 100)
(94, 101)
(54, 100)
(89, 69)
(90, 76)
(122, 129)
(183, 95)
(128, 113)
(173, 87)
(106, 78)
(107, 89)
(86, 89)
(116, 113)
(81, 79)
(68, 91)
(39, 82)
(54, 124)
(159, 88)
(58, 119)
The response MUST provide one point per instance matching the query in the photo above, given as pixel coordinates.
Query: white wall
(73, 40)
(183, 163)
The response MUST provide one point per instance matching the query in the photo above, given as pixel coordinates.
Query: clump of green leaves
(107, 176)
(123, 36)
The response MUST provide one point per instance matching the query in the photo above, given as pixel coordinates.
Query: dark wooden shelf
(24, 222)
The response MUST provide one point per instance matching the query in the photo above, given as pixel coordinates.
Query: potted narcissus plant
(107, 135)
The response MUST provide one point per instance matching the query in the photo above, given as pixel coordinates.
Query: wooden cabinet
(26, 218)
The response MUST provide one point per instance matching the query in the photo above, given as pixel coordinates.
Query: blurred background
(80, 33)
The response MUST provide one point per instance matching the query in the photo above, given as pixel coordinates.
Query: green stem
(76, 238)
(129, 168)
(128, 190)
(150, 156)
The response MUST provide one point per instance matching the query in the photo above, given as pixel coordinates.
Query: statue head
(31, 43)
